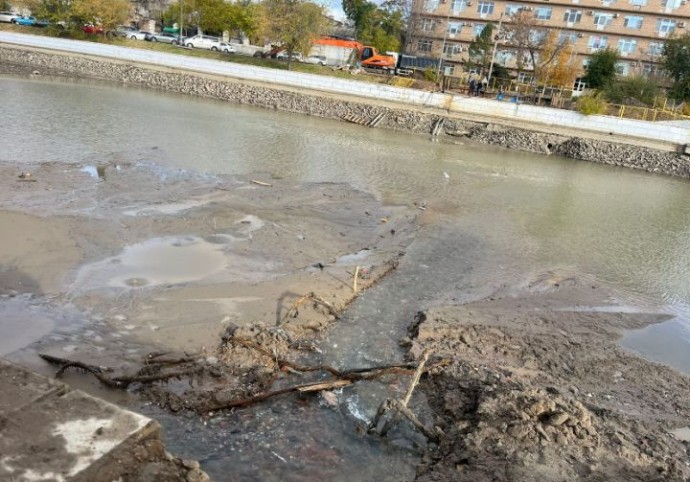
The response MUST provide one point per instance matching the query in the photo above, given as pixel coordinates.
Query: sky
(335, 9)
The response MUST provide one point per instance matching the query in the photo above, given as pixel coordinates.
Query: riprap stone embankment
(15, 60)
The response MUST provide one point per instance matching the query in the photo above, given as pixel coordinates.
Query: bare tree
(534, 44)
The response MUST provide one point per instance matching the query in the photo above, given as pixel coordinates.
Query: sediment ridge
(19, 61)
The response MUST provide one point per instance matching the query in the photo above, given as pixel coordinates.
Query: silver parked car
(8, 17)
(130, 33)
(163, 37)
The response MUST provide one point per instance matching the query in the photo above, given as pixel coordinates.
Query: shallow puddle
(157, 261)
(664, 342)
(21, 325)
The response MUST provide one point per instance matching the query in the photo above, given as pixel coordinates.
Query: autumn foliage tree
(555, 66)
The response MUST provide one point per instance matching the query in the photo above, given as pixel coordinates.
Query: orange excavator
(341, 51)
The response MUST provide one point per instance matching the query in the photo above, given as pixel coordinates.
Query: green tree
(381, 27)
(481, 49)
(676, 61)
(601, 69)
(213, 16)
(107, 13)
(52, 10)
(293, 23)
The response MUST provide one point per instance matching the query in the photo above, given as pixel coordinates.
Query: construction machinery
(340, 52)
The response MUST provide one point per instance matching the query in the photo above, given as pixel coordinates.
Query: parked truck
(350, 52)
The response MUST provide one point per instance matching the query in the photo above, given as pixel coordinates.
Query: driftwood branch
(390, 411)
(309, 296)
(123, 381)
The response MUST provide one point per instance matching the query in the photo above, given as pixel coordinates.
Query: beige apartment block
(636, 28)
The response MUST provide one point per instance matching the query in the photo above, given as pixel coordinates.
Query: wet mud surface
(205, 291)
(539, 389)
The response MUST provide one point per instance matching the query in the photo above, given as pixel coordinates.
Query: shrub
(591, 105)
(639, 88)
(431, 75)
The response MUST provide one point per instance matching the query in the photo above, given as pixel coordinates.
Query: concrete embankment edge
(51, 432)
(626, 153)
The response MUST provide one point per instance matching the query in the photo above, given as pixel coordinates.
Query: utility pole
(181, 16)
(493, 54)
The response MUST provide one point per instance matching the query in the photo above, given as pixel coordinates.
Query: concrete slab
(56, 434)
(26, 387)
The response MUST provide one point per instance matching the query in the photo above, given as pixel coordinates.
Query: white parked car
(227, 48)
(203, 42)
(8, 17)
(316, 59)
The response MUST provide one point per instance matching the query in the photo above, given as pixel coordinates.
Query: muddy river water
(503, 216)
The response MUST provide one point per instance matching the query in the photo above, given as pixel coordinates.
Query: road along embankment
(562, 140)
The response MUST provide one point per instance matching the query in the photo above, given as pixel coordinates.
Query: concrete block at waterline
(20, 387)
(55, 434)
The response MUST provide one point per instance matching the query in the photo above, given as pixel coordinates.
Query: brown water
(505, 217)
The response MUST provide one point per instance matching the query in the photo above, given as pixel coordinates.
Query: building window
(572, 16)
(603, 19)
(622, 68)
(428, 24)
(650, 70)
(543, 13)
(567, 37)
(504, 57)
(485, 8)
(512, 9)
(424, 45)
(477, 29)
(608, 3)
(638, 3)
(524, 78)
(655, 49)
(449, 69)
(627, 46)
(458, 6)
(670, 4)
(597, 42)
(665, 26)
(454, 28)
(536, 36)
(430, 5)
(633, 22)
(452, 49)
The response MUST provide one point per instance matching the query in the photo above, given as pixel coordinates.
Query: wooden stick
(243, 402)
(415, 378)
(326, 386)
(260, 183)
(354, 281)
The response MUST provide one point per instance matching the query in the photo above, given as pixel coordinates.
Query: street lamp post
(443, 46)
(493, 54)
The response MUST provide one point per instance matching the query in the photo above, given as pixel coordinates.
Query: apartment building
(636, 28)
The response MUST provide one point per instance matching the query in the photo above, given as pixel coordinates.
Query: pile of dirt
(536, 390)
